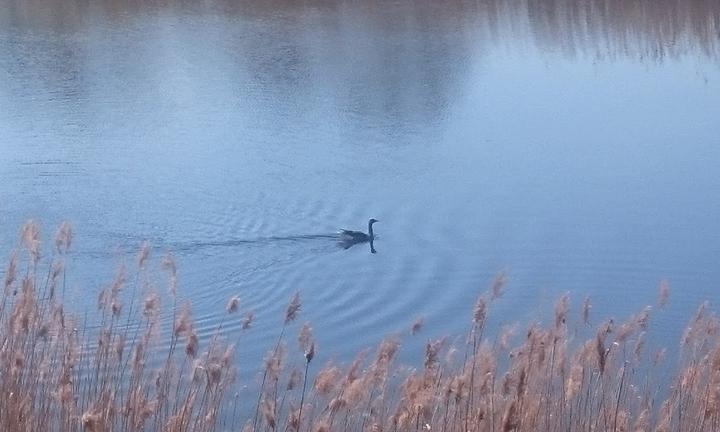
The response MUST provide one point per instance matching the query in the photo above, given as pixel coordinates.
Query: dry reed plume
(61, 373)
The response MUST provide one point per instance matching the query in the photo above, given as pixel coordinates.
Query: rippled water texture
(574, 143)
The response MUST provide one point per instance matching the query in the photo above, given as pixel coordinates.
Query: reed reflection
(399, 64)
(643, 29)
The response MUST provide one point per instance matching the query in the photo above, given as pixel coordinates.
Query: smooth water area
(574, 144)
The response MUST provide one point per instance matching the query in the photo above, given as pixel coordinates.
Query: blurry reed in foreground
(61, 373)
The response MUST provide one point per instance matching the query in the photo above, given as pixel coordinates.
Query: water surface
(574, 144)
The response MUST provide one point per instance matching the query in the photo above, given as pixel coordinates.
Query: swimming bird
(349, 238)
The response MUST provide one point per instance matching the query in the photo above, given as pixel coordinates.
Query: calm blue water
(578, 150)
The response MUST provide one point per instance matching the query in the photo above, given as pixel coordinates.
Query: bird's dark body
(356, 236)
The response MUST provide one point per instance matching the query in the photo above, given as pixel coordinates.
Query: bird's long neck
(370, 231)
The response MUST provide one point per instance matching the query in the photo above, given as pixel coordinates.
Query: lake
(573, 144)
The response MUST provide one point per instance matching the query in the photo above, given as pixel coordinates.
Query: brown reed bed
(59, 372)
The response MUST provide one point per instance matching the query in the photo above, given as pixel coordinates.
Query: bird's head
(372, 221)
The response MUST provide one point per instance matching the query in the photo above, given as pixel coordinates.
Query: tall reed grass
(111, 373)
